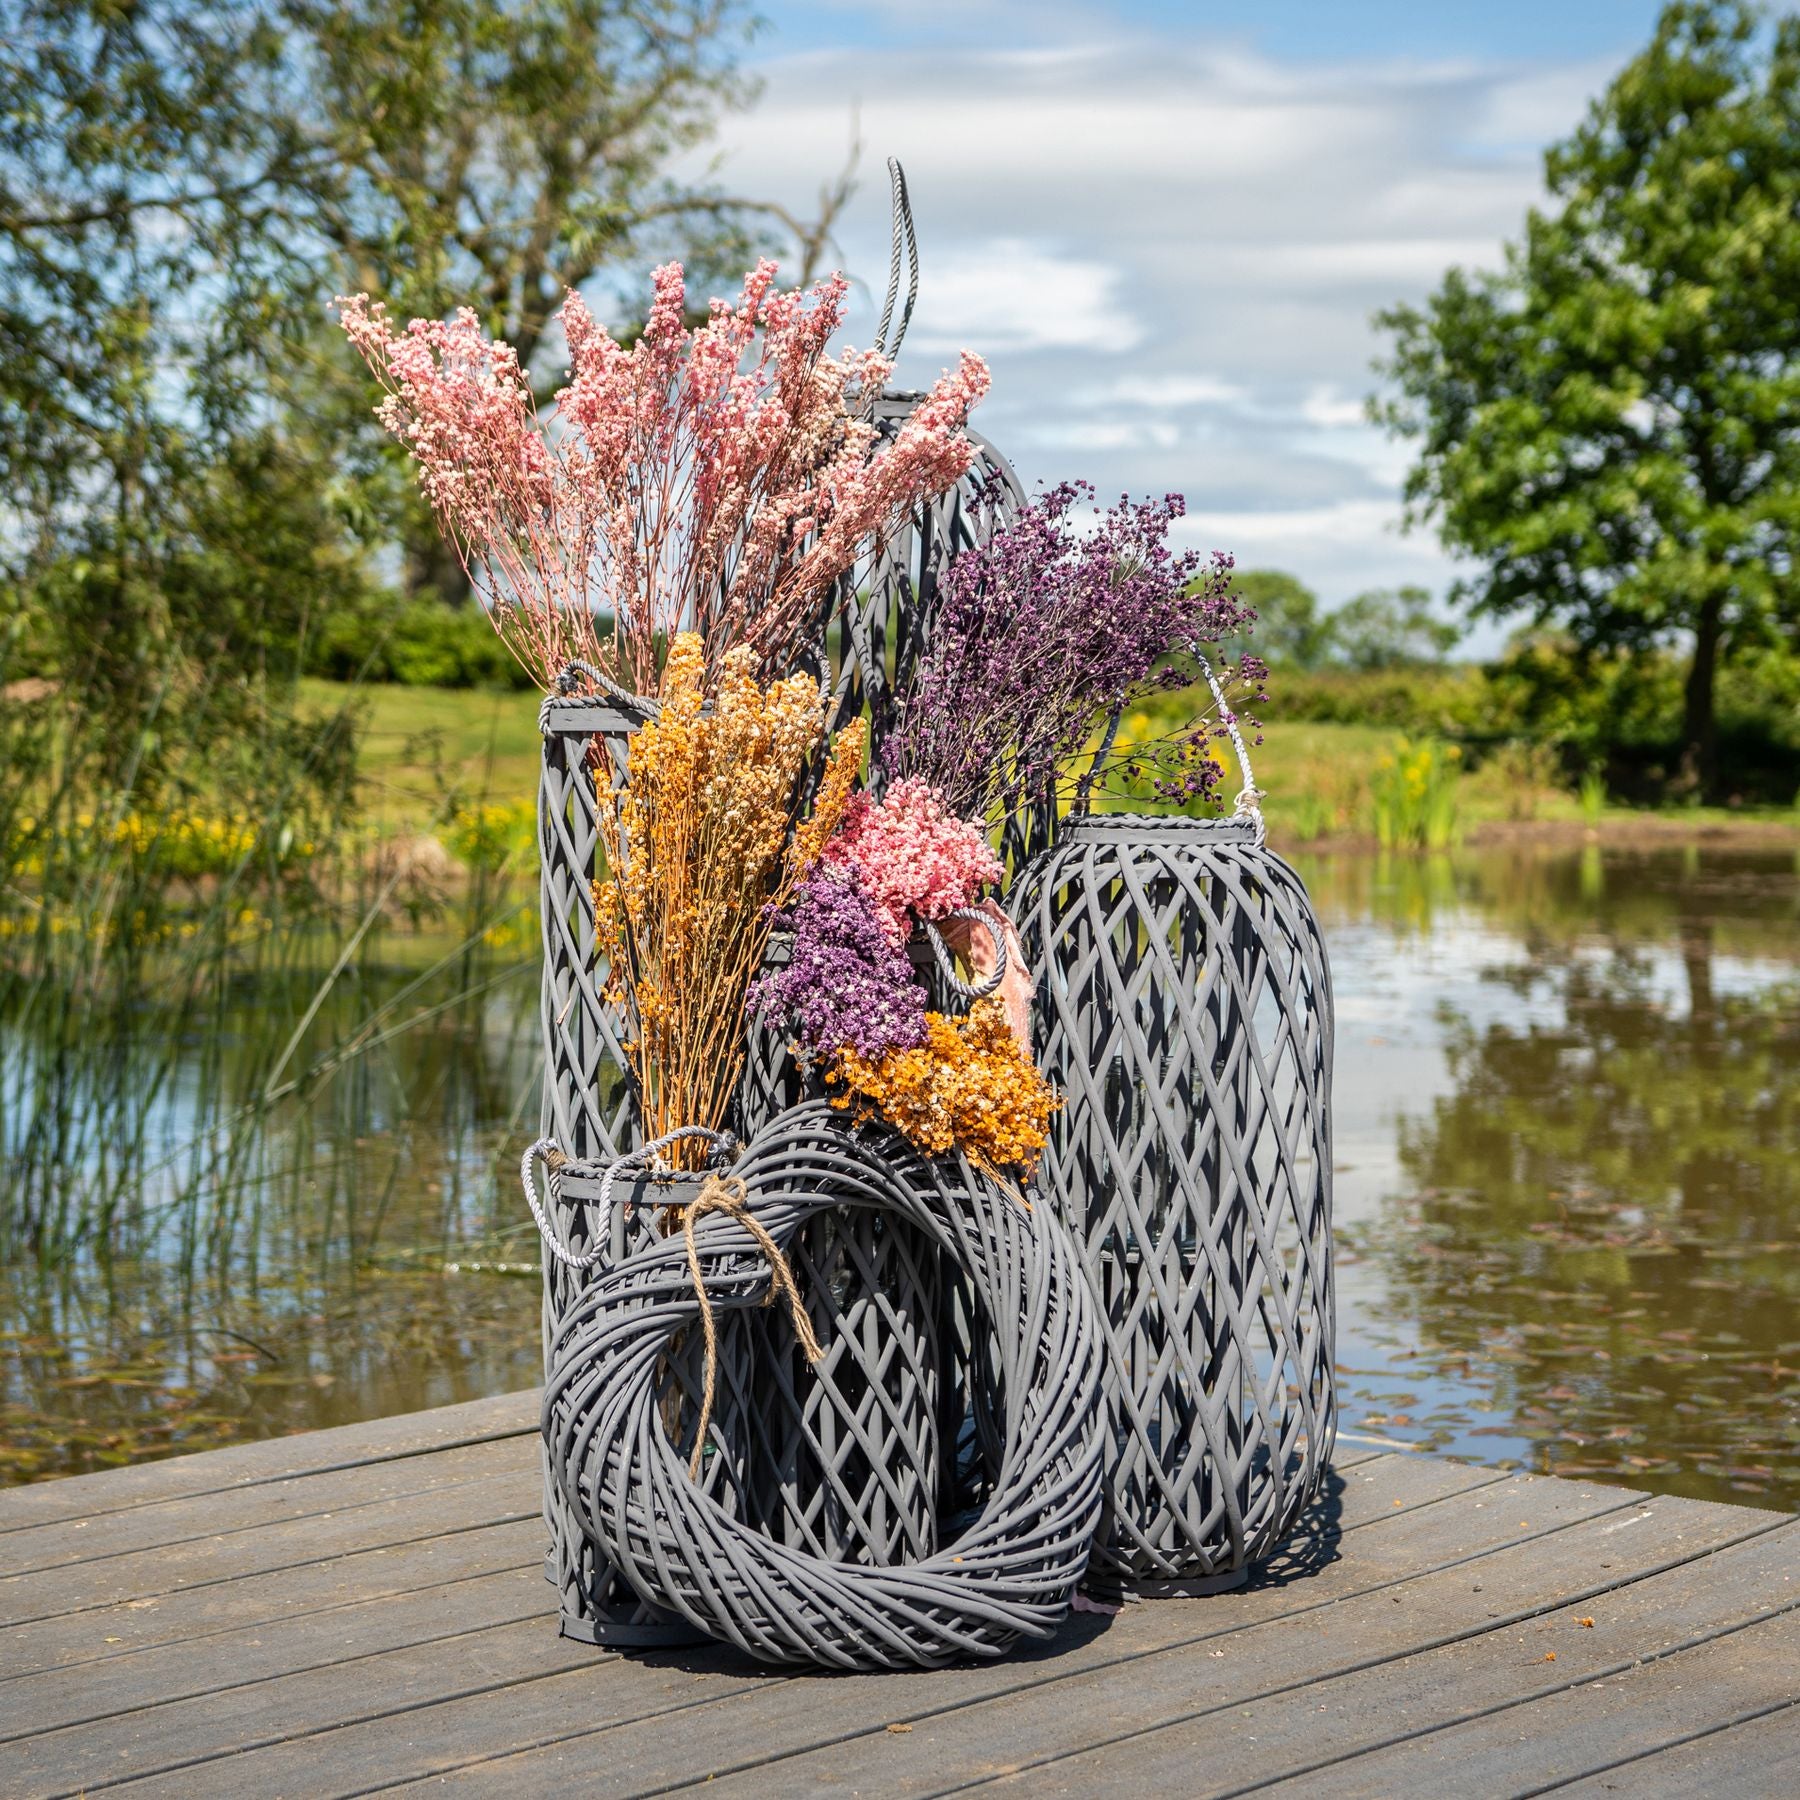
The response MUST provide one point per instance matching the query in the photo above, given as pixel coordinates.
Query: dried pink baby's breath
(719, 479)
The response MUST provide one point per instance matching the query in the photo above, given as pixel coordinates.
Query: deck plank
(269, 1459)
(195, 1518)
(1755, 1759)
(164, 1570)
(1598, 1726)
(276, 1596)
(129, 1682)
(1354, 1734)
(352, 1706)
(366, 1610)
(1053, 1740)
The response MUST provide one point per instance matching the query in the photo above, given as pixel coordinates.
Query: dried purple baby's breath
(844, 983)
(1039, 632)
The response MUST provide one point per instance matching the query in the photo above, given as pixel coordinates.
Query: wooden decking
(362, 1610)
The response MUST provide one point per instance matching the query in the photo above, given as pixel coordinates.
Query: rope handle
(642, 707)
(903, 235)
(727, 1194)
(965, 990)
(559, 1167)
(1245, 806)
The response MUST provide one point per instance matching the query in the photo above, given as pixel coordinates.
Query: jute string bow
(718, 1193)
(727, 1194)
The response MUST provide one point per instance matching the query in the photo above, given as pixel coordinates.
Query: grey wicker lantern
(838, 1459)
(590, 1113)
(1184, 1009)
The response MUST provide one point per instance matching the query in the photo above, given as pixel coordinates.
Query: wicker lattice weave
(1184, 1009)
(882, 634)
(1010, 1573)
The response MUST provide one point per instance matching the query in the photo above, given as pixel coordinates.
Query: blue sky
(1288, 28)
(1167, 226)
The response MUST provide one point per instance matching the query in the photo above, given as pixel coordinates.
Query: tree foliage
(1387, 628)
(1288, 633)
(191, 474)
(1384, 628)
(1610, 422)
(162, 543)
(496, 157)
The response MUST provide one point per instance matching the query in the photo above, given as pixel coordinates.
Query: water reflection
(1568, 1136)
(285, 1276)
(1575, 1242)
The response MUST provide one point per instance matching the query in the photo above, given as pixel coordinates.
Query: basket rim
(1098, 827)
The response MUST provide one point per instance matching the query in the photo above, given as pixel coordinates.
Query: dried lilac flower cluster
(1044, 634)
(1183, 768)
(845, 982)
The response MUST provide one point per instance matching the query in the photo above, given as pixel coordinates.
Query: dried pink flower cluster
(459, 402)
(718, 480)
(917, 859)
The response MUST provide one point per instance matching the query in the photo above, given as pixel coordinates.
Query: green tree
(161, 546)
(496, 157)
(185, 184)
(1611, 423)
(1288, 633)
(1386, 628)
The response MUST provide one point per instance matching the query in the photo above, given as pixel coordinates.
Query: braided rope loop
(688, 1548)
(1184, 1008)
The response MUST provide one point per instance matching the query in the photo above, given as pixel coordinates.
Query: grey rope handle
(559, 1166)
(643, 706)
(966, 990)
(903, 234)
(1245, 807)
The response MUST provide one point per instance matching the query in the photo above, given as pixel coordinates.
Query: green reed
(196, 997)
(1413, 792)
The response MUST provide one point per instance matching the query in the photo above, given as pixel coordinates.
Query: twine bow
(727, 1194)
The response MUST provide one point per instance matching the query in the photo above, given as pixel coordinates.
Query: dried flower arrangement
(971, 1086)
(717, 480)
(683, 521)
(1044, 638)
(703, 846)
(858, 1007)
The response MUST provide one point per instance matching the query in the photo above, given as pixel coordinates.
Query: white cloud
(1174, 394)
(1329, 408)
(1007, 294)
(1170, 248)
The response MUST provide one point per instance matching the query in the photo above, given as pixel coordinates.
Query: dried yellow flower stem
(970, 1086)
(702, 845)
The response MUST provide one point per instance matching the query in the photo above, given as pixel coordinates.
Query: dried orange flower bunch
(704, 845)
(971, 1086)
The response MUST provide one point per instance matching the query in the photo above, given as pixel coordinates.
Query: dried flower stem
(703, 846)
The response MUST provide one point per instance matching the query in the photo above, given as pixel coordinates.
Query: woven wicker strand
(1011, 1574)
(874, 1412)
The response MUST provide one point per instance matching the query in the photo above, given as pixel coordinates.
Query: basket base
(615, 1634)
(1192, 1588)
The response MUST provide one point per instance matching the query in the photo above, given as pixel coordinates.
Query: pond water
(1568, 1195)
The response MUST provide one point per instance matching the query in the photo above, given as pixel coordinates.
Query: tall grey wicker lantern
(839, 1459)
(850, 1459)
(1184, 1009)
(588, 1110)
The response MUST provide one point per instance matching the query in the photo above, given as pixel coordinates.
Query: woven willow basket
(1184, 1009)
(812, 1459)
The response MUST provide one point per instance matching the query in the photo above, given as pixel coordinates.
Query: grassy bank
(431, 757)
